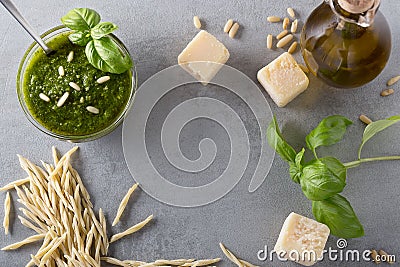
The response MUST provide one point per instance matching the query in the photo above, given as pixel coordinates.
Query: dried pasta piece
(15, 183)
(105, 243)
(33, 218)
(97, 250)
(134, 262)
(230, 255)
(26, 241)
(92, 261)
(115, 261)
(29, 225)
(180, 262)
(55, 155)
(202, 262)
(52, 249)
(124, 203)
(89, 240)
(7, 208)
(234, 259)
(131, 230)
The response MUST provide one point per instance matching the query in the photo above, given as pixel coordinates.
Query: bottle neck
(362, 14)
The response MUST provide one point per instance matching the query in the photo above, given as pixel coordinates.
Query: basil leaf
(295, 172)
(104, 54)
(323, 178)
(299, 159)
(376, 127)
(296, 168)
(276, 141)
(102, 29)
(336, 167)
(80, 38)
(81, 19)
(337, 213)
(329, 131)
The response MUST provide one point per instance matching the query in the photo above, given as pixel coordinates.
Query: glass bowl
(112, 125)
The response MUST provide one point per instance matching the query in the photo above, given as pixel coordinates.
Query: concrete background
(155, 32)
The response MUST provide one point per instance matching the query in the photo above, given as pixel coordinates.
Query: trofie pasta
(234, 259)
(131, 230)
(123, 204)
(28, 240)
(7, 207)
(57, 207)
(15, 183)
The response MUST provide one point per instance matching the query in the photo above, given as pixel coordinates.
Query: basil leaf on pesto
(105, 55)
(101, 51)
(81, 19)
(80, 38)
(102, 29)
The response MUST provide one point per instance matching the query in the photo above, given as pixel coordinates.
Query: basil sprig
(322, 179)
(101, 50)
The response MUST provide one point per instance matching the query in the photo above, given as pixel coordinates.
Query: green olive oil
(340, 51)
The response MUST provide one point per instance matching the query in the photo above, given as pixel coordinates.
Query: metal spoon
(14, 11)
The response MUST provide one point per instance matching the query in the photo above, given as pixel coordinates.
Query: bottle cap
(356, 6)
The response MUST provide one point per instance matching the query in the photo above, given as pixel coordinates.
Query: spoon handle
(14, 11)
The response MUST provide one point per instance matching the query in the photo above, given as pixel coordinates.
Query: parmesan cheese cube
(203, 57)
(283, 79)
(302, 239)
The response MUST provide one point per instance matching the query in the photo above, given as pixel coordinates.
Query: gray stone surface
(155, 32)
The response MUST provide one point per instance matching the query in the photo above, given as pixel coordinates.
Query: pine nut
(387, 92)
(304, 68)
(269, 41)
(292, 48)
(74, 86)
(103, 79)
(44, 97)
(393, 80)
(92, 110)
(228, 25)
(285, 23)
(62, 99)
(294, 26)
(70, 56)
(274, 19)
(365, 119)
(61, 71)
(388, 259)
(375, 257)
(291, 13)
(282, 34)
(197, 22)
(284, 41)
(234, 30)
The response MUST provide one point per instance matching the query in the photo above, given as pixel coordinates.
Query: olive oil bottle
(346, 43)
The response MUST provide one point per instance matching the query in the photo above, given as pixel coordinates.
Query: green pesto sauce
(42, 76)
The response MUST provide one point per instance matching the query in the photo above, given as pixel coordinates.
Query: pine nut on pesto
(42, 77)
